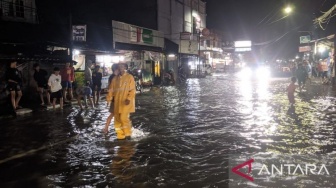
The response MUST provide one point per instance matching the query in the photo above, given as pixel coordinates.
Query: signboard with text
(130, 34)
(304, 39)
(304, 49)
(147, 36)
(185, 36)
(79, 33)
(243, 46)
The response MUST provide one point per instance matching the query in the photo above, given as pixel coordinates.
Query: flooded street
(183, 136)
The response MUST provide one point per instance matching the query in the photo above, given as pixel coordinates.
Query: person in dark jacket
(301, 74)
(14, 80)
(96, 84)
(40, 76)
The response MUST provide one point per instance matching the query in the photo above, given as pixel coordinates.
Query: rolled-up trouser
(122, 125)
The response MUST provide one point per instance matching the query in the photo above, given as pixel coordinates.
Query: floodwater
(183, 136)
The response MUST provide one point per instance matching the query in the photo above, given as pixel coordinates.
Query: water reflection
(122, 168)
(181, 138)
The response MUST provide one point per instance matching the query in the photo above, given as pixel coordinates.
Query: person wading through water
(122, 92)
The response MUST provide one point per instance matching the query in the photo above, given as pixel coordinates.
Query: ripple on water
(182, 136)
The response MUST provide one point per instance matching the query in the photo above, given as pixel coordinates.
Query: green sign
(147, 36)
(304, 39)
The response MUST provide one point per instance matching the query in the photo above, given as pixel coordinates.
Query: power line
(277, 39)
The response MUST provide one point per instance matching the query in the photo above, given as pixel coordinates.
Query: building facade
(182, 22)
(18, 11)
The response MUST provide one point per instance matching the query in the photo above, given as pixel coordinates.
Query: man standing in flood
(122, 92)
(14, 79)
(68, 77)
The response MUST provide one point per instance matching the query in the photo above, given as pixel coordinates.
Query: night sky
(243, 20)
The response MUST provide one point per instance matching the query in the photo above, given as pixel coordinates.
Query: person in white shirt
(54, 83)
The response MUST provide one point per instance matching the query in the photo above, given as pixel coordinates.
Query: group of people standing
(56, 86)
(324, 70)
(120, 98)
(305, 71)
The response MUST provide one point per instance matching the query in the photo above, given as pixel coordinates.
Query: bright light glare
(288, 10)
(246, 72)
(321, 49)
(263, 73)
(241, 44)
(76, 52)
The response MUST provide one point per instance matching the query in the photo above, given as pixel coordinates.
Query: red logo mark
(236, 169)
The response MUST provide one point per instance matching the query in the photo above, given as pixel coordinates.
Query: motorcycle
(169, 78)
(136, 73)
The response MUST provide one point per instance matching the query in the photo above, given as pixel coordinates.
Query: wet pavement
(183, 136)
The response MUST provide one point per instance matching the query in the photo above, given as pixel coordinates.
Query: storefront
(142, 49)
(323, 49)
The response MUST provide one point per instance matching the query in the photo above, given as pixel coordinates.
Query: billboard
(242, 44)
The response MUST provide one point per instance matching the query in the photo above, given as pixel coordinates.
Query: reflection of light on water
(270, 128)
(258, 119)
(138, 134)
(194, 93)
(245, 87)
(263, 89)
(246, 92)
(193, 85)
(245, 74)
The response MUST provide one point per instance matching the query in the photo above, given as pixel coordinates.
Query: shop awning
(135, 47)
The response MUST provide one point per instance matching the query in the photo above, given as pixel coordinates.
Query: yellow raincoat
(122, 88)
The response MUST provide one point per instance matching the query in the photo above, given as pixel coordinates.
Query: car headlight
(263, 72)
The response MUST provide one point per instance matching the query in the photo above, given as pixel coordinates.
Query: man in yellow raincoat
(122, 93)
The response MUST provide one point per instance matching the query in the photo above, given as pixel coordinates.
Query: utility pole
(70, 32)
(334, 57)
(199, 40)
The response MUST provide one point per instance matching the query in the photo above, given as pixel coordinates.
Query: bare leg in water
(108, 122)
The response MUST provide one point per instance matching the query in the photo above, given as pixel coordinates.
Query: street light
(288, 10)
(76, 52)
(321, 49)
